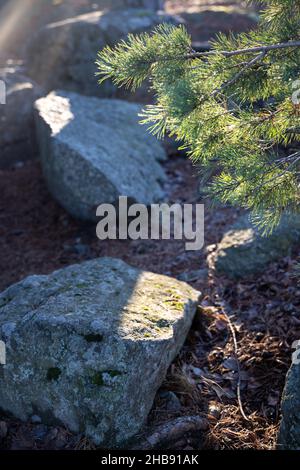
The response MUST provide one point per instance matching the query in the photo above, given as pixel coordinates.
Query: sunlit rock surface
(243, 251)
(94, 151)
(88, 346)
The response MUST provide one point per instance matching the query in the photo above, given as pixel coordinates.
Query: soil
(37, 236)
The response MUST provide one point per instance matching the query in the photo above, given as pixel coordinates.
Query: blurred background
(50, 44)
(21, 18)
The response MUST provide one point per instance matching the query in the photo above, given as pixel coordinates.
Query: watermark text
(296, 353)
(158, 221)
(2, 92)
(2, 353)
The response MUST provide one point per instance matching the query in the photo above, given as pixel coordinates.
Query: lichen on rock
(89, 345)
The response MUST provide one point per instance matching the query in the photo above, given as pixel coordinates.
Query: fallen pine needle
(235, 344)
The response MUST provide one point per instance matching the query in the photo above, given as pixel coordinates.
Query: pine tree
(230, 107)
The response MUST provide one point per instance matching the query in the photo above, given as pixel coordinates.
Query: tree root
(172, 431)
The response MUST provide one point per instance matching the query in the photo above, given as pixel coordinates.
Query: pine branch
(239, 74)
(249, 50)
(232, 107)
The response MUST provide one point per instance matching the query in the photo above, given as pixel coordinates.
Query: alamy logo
(296, 354)
(159, 221)
(2, 353)
(2, 92)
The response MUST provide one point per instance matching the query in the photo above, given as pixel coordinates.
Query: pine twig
(239, 74)
(249, 50)
(235, 344)
(261, 50)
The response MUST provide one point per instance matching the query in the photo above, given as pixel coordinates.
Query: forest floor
(38, 236)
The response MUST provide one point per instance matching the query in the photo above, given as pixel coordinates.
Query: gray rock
(243, 252)
(195, 275)
(71, 47)
(94, 151)
(91, 345)
(153, 5)
(172, 402)
(289, 434)
(17, 140)
(35, 419)
(115, 4)
(118, 4)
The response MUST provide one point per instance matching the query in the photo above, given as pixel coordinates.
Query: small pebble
(35, 419)
(214, 411)
(81, 249)
(39, 432)
(18, 165)
(172, 401)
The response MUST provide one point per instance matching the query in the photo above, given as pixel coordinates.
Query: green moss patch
(98, 377)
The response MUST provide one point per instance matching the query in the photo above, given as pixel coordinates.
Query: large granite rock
(89, 345)
(289, 434)
(17, 141)
(93, 151)
(243, 252)
(115, 4)
(63, 54)
(153, 5)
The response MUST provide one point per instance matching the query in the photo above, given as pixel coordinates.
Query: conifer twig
(239, 74)
(235, 344)
(249, 50)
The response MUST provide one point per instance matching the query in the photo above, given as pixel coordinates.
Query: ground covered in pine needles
(37, 236)
(262, 313)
